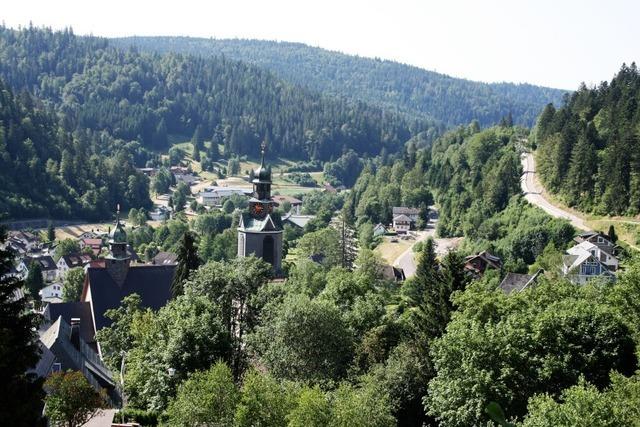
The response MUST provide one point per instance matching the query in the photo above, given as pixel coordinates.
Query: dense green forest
(589, 150)
(388, 84)
(145, 97)
(46, 171)
(475, 179)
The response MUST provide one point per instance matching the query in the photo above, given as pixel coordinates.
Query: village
(112, 270)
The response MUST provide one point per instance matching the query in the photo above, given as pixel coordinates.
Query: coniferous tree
(34, 281)
(51, 232)
(187, 262)
(613, 237)
(22, 391)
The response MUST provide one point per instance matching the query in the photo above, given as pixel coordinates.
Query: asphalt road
(407, 260)
(534, 194)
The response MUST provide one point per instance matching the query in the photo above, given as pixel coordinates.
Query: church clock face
(257, 209)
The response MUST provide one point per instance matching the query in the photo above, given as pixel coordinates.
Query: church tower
(259, 232)
(117, 263)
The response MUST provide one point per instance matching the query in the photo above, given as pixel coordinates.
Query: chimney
(75, 332)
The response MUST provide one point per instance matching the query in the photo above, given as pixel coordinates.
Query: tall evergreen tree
(51, 232)
(34, 281)
(187, 262)
(22, 391)
(612, 234)
(582, 171)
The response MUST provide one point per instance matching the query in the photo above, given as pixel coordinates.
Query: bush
(145, 418)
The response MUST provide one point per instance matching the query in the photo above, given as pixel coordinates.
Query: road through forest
(534, 193)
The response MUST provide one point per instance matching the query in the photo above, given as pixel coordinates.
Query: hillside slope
(388, 84)
(143, 97)
(588, 150)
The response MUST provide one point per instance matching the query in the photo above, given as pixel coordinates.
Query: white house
(68, 262)
(379, 230)
(402, 224)
(51, 293)
(214, 196)
(586, 261)
(412, 213)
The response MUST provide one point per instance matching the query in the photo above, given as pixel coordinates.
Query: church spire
(263, 148)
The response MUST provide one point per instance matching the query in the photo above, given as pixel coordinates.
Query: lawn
(390, 251)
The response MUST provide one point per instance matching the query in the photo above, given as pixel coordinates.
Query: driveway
(407, 260)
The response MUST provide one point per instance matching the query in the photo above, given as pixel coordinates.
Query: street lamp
(122, 404)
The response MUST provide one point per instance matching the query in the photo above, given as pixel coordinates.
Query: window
(56, 367)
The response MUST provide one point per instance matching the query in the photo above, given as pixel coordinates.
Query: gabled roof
(393, 273)
(44, 365)
(76, 260)
(249, 223)
(46, 262)
(298, 220)
(401, 218)
(580, 253)
(489, 259)
(165, 258)
(515, 282)
(403, 210)
(584, 246)
(70, 310)
(78, 356)
(92, 242)
(151, 282)
(282, 198)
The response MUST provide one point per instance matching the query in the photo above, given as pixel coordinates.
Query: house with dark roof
(165, 258)
(598, 238)
(479, 263)
(108, 281)
(47, 265)
(73, 310)
(71, 352)
(326, 187)
(24, 239)
(516, 282)
(394, 274)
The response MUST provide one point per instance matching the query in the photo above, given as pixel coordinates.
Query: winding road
(534, 193)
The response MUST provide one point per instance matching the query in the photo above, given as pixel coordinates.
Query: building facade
(259, 230)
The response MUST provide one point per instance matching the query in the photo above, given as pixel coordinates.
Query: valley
(238, 232)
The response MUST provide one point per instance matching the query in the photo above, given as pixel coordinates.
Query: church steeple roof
(263, 173)
(118, 235)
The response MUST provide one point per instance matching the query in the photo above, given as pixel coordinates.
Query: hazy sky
(556, 43)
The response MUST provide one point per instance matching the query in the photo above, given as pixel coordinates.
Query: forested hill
(48, 172)
(388, 84)
(139, 96)
(589, 150)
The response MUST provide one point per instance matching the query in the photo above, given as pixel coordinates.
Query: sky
(556, 43)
